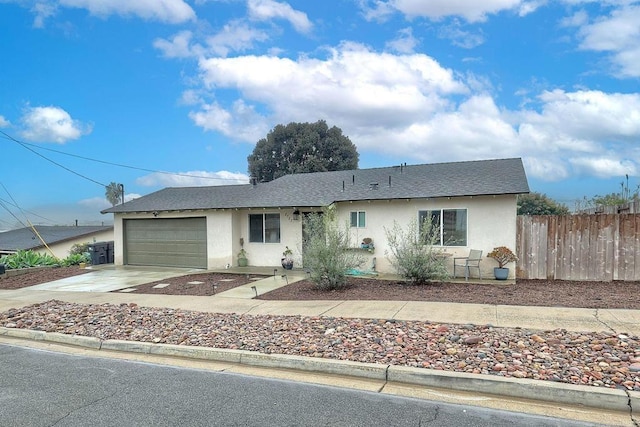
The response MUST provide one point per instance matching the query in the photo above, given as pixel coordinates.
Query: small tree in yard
(413, 254)
(327, 252)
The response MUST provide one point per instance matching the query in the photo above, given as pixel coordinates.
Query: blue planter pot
(501, 273)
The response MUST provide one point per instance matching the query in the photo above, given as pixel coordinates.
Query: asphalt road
(42, 388)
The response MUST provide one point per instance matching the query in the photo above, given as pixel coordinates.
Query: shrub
(328, 251)
(79, 249)
(412, 252)
(27, 259)
(76, 259)
(503, 255)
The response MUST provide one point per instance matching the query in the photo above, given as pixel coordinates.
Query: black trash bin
(110, 255)
(1, 268)
(98, 253)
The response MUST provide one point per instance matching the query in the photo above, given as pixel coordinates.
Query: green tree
(539, 204)
(301, 148)
(614, 199)
(113, 193)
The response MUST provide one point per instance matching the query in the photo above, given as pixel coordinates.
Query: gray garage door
(170, 242)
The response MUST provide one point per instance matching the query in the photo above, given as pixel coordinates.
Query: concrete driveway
(113, 278)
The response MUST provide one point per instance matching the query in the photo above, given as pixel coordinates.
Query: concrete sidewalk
(592, 402)
(95, 287)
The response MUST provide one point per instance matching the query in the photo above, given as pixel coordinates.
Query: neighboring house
(58, 238)
(202, 227)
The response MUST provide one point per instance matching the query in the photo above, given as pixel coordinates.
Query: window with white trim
(264, 228)
(358, 219)
(452, 224)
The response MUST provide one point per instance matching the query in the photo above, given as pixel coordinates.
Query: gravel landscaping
(602, 359)
(597, 359)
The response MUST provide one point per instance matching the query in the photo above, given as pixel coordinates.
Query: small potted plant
(242, 255)
(367, 243)
(242, 258)
(503, 256)
(287, 258)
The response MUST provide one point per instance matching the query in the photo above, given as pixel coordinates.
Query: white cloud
(405, 42)
(617, 33)
(241, 123)
(179, 46)
(590, 115)
(407, 106)
(4, 122)
(460, 37)
(100, 203)
(169, 11)
(235, 36)
(51, 124)
(263, 10)
(578, 19)
(470, 10)
(353, 85)
(527, 7)
(610, 165)
(193, 179)
(42, 11)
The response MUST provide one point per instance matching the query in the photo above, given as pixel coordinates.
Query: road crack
(635, 422)
(93, 402)
(596, 315)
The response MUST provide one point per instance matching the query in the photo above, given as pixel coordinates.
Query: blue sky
(189, 87)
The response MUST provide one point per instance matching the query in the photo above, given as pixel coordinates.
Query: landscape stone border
(571, 394)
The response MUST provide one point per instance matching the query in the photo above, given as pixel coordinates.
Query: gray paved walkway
(95, 286)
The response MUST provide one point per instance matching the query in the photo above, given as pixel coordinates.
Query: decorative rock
(537, 338)
(472, 340)
(590, 358)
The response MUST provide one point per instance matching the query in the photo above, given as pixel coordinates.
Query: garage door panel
(175, 242)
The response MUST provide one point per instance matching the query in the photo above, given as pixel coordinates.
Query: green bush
(327, 251)
(79, 249)
(27, 259)
(413, 254)
(75, 259)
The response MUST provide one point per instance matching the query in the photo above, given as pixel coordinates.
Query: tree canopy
(539, 204)
(301, 148)
(113, 193)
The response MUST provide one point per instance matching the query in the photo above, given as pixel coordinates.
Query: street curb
(594, 397)
(589, 396)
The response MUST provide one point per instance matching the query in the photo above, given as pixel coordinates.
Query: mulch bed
(39, 276)
(545, 293)
(604, 295)
(212, 283)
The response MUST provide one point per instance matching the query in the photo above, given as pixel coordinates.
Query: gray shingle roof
(25, 238)
(473, 178)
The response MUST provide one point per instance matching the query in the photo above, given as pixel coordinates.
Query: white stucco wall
(61, 250)
(491, 222)
(269, 254)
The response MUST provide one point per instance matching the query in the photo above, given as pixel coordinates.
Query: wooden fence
(600, 247)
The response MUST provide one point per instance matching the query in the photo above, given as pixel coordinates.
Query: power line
(52, 161)
(29, 212)
(116, 164)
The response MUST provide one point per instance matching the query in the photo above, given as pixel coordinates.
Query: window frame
(264, 227)
(360, 219)
(440, 214)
